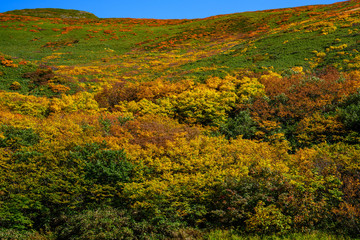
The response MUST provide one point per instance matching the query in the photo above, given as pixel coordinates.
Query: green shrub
(105, 124)
(22, 156)
(350, 112)
(103, 166)
(241, 124)
(109, 167)
(16, 137)
(98, 224)
(234, 199)
(110, 223)
(268, 220)
(16, 212)
(11, 234)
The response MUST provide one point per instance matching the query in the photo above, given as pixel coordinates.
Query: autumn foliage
(134, 129)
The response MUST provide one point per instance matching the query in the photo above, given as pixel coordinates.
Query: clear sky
(161, 9)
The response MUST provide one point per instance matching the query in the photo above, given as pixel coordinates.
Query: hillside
(53, 13)
(239, 125)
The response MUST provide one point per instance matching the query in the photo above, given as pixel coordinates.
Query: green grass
(10, 75)
(230, 235)
(53, 13)
(281, 48)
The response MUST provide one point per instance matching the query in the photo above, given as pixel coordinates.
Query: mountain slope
(279, 38)
(229, 127)
(52, 13)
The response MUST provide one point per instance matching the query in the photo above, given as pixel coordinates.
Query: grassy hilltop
(234, 126)
(53, 13)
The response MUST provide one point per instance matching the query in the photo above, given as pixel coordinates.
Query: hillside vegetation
(234, 126)
(53, 13)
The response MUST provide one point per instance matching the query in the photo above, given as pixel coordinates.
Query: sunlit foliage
(171, 129)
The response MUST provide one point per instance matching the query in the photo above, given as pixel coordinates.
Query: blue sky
(162, 9)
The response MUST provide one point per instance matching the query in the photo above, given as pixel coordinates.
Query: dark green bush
(109, 167)
(98, 224)
(22, 156)
(17, 212)
(102, 165)
(11, 234)
(16, 137)
(350, 112)
(110, 223)
(87, 151)
(241, 124)
(234, 199)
